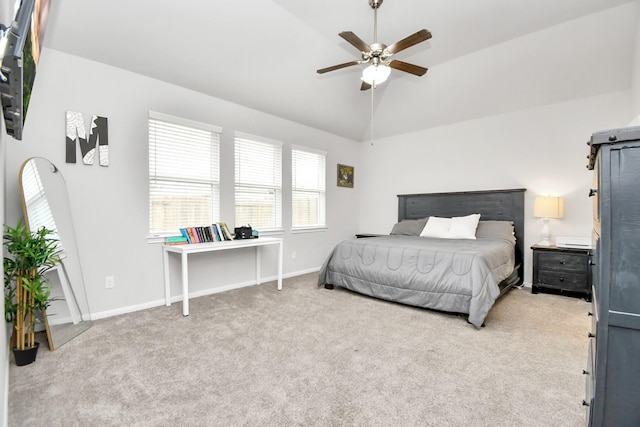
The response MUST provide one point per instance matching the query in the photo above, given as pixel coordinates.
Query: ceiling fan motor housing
(375, 3)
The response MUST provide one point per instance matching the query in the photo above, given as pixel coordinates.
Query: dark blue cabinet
(613, 367)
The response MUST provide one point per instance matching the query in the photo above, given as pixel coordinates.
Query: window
(308, 181)
(184, 173)
(258, 182)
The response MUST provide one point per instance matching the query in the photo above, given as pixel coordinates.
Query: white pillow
(460, 227)
(464, 227)
(436, 227)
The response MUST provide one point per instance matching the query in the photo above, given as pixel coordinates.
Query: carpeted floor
(308, 356)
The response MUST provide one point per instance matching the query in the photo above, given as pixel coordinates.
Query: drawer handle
(589, 314)
(562, 279)
(585, 372)
(590, 335)
(563, 262)
(592, 192)
(585, 403)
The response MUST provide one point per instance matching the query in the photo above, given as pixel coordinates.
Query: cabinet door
(625, 230)
(622, 381)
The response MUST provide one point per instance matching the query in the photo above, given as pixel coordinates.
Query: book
(193, 235)
(218, 233)
(185, 234)
(177, 243)
(225, 231)
(207, 233)
(211, 233)
(176, 239)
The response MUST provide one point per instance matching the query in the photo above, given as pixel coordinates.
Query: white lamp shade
(548, 207)
(376, 74)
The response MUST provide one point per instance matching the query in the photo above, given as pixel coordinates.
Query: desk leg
(280, 254)
(185, 285)
(167, 283)
(257, 265)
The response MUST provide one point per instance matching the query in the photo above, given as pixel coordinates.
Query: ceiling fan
(378, 54)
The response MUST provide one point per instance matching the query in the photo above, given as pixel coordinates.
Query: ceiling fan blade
(355, 41)
(415, 38)
(337, 67)
(365, 86)
(408, 68)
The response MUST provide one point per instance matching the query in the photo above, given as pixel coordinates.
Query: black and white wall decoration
(98, 135)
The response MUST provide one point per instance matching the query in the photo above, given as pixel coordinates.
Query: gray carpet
(308, 356)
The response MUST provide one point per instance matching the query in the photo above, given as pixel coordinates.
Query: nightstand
(561, 271)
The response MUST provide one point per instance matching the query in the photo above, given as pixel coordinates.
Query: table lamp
(547, 207)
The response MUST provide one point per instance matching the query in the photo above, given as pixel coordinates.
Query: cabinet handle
(562, 279)
(585, 403)
(589, 314)
(563, 262)
(590, 335)
(585, 372)
(592, 192)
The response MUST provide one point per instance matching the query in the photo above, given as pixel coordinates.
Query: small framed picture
(345, 176)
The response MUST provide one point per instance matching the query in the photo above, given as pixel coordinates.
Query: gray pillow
(496, 229)
(409, 227)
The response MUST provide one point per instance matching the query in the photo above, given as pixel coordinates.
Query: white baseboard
(178, 298)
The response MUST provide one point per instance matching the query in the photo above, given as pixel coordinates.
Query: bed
(457, 275)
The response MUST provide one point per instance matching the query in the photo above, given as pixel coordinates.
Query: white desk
(194, 248)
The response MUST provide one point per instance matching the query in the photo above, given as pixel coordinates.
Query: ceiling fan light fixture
(376, 74)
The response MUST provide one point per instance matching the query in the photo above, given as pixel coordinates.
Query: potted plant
(28, 256)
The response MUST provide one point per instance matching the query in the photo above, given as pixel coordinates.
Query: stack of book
(176, 240)
(216, 232)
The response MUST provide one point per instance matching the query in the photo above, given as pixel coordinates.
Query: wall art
(345, 176)
(98, 137)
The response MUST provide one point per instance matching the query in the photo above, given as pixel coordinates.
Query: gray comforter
(458, 276)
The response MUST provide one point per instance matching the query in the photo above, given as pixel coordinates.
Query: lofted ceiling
(486, 57)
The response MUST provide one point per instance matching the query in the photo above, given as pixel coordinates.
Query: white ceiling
(486, 57)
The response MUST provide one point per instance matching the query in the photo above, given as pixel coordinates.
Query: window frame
(239, 137)
(322, 225)
(214, 180)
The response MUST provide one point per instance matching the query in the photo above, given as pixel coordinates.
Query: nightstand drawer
(563, 280)
(561, 261)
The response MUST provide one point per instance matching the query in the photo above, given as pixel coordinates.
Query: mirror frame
(69, 272)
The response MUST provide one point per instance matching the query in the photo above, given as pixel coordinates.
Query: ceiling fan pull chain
(373, 88)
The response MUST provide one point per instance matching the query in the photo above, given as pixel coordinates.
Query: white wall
(543, 150)
(110, 204)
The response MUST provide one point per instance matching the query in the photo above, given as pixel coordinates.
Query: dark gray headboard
(501, 205)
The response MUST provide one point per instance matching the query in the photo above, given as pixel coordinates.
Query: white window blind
(184, 173)
(308, 187)
(258, 182)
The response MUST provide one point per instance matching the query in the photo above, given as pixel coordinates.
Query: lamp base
(545, 236)
(544, 242)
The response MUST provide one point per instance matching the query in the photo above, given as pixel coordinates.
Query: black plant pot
(26, 356)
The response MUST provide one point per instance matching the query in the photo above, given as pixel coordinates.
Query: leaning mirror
(45, 202)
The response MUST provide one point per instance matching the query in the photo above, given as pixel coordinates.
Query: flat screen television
(22, 44)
